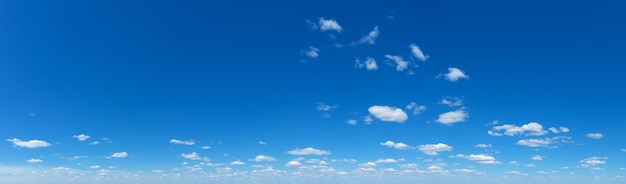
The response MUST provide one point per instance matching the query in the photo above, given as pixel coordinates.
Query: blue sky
(319, 91)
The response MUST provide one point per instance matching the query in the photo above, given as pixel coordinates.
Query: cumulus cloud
(263, 158)
(537, 157)
(176, 141)
(368, 164)
(293, 163)
(483, 145)
(29, 144)
(386, 161)
(34, 160)
(401, 64)
(369, 64)
(237, 162)
(387, 113)
(595, 135)
(452, 117)
(454, 74)
(329, 25)
(417, 53)
(119, 154)
(399, 145)
(593, 162)
(531, 128)
(561, 129)
(311, 52)
(546, 142)
(416, 108)
(308, 151)
(81, 137)
(480, 158)
(433, 149)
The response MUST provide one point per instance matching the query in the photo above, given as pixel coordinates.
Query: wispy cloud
(176, 141)
(595, 135)
(417, 53)
(400, 63)
(369, 64)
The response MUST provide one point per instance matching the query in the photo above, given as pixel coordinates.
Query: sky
(312, 91)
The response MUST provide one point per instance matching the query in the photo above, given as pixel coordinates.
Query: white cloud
(399, 145)
(94, 143)
(311, 52)
(623, 150)
(546, 142)
(119, 154)
(368, 119)
(81, 137)
(401, 64)
(454, 74)
(325, 107)
(94, 167)
(515, 163)
(205, 147)
(561, 129)
(480, 158)
(351, 121)
(29, 144)
(262, 143)
(531, 128)
(329, 25)
(452, 117)
(157, 171)
(308, 151)
(34, 160)
(417, 52)
(237, 162)
(595, 135)
(176, 141)
(263, 158)
(368, 164)
(451, 101)
(191, 156)
(537, 157)
(433, 149)
(369, 64)
(390, 114)
(593, 162)
(293, 163)
(370, 38)
(386, 161)
(417, 109)
(531, 165)
(483, 145)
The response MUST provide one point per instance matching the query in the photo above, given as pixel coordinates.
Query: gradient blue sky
(312, 91)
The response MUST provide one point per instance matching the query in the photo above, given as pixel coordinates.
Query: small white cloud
(293, 163)
(370, 38)
(515, 163)
(308, 151)
(176, 141)
(558, 130)
(623, 150)
(368, 164)
(29, 144)
(452, 117)
(34, 160)
(311, 52)
(262, 143)
(369, 64)
(157, 171)
(401, 64)
(531, 128)
(119, 154)
(94, 143)
(368, 119)
(237, 162)
(451, 101)
(81, 137)
(595, 135)
(263, 158)
(433, 149)
(205, 147)
(390, 114)
(94, 167)
(454, 74)
(417, 53)
(537, 157)
(564, 129)
(531, 165)
(325, 107)
(191, 156)
(386, 161)
(480, 158)
(351, 121)
(329, 25)
(483, 145)
(592, 162)
(417, 109)
(399, 145)
(534, 142)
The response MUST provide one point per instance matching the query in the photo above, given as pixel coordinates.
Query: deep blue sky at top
(231, 70)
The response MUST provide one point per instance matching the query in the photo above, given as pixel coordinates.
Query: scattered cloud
(263, 158)
(308, 151)
(325, 107)
(386, 161)
(454, 74)
(480, 158)
(369, 64)
(546, 142)
(311, 52)
(401, 64)
(29, 144)
(417, 109)
(237, 162)
(483, 145)
(34, 160)
(595, 135)
(81, 137)
(351, 121)
(433, 149)
(537, 157)
(417, 53)
(119, 155)
(561, 129)
(452, 101)
(531, 128)
(329, 25)
(399, 145)
(387, 113)
(452, 117)
(176, 141)
(593, 162)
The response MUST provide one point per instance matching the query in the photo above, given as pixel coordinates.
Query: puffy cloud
(546, 142)
(417, 52)
(237, 162)
(390, 114)
(386, 161)
(293, 163)
(29, 144)
(191, 156)
(369, 64)
(81, 137)
(399, 145)
(531, 128)
(595, 135)
(329, 25)
(451, 117)
(483, 145)
(34, 160)
(176, 141)
(370, 38)
(454, 74)
(351, 121)
(561, 129)
(537, 157)
(368, 164)
(263, 158)
(122, 154)
(451, 101)
(311, 52)
(325, 107)
(480, 158)
(308, 151)
(401, 64)
(417, 109)
(433, 149)
(593, 162)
